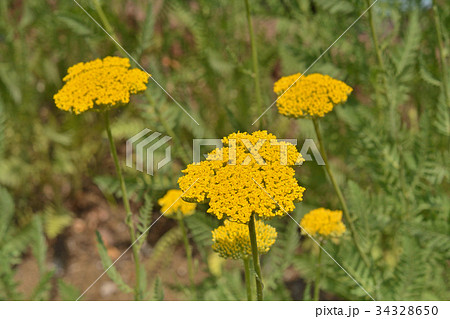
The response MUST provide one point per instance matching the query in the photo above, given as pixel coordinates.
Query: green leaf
(8, 286)
(67, 292)
(442, 122)
(408, 55)
(164, 246)
(107, 265)
(6, 211)
(56, 220)
(147, 29)
(17, 243)
(307, 295)
(42, 289)
(200, 226)
(39, 244)
(158, 292)
(428, 77)
(74, 23)
(336, 7)
(145, 218)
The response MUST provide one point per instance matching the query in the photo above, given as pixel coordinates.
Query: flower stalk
(188, 249)
(255, 256)
(106, 24)
(442, 53)
(248, 283)
(318, 274)
(381, 65)
(128, 220)
(338, 191)
(259, 105)
(375, 38)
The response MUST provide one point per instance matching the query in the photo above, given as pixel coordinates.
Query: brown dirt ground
(74, 257)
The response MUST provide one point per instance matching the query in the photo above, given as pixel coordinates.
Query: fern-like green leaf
(107, 265)
(39, 244)
(67, 292)
(165, 244)
(158, 291)
(56, 220)
(145, 218)
(6, 211)
(42, 289)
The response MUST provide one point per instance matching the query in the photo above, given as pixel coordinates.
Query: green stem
(375, 37)
(138, 293)
(105, 21)
(339, 193)
(248, 283)
(318, 274)
(184, 155)
(391, 104)
(188, 249)
(442, 54)
(259, 105)
(128, 220)
(255, 255)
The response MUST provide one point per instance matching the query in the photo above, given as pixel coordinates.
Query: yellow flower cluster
(232, 240)
(171, 204)
(105, 83)
(312, 95)
(324, 222)
(230, 176)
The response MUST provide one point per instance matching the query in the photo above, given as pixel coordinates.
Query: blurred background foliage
(389, 143)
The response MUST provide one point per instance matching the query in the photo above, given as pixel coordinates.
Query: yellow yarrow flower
(104, 83)
(312, 95)
(323, 222)
(232, 240)
(227, 178)
(170, 206)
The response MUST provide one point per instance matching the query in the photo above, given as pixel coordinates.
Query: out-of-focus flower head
(312, 95)
(100, 85)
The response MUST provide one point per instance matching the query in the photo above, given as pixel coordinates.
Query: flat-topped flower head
(250, 173)
(312, 95)
(171, 204)
(99, 84)
(323, 222)
(232, 240)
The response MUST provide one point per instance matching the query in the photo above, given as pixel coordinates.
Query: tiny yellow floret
(323, 222)
(311, 95)
(251, 173)
(232, 240)
(103, 83)
(171, 204)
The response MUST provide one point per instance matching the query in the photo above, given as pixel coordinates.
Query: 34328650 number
(407, 310)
